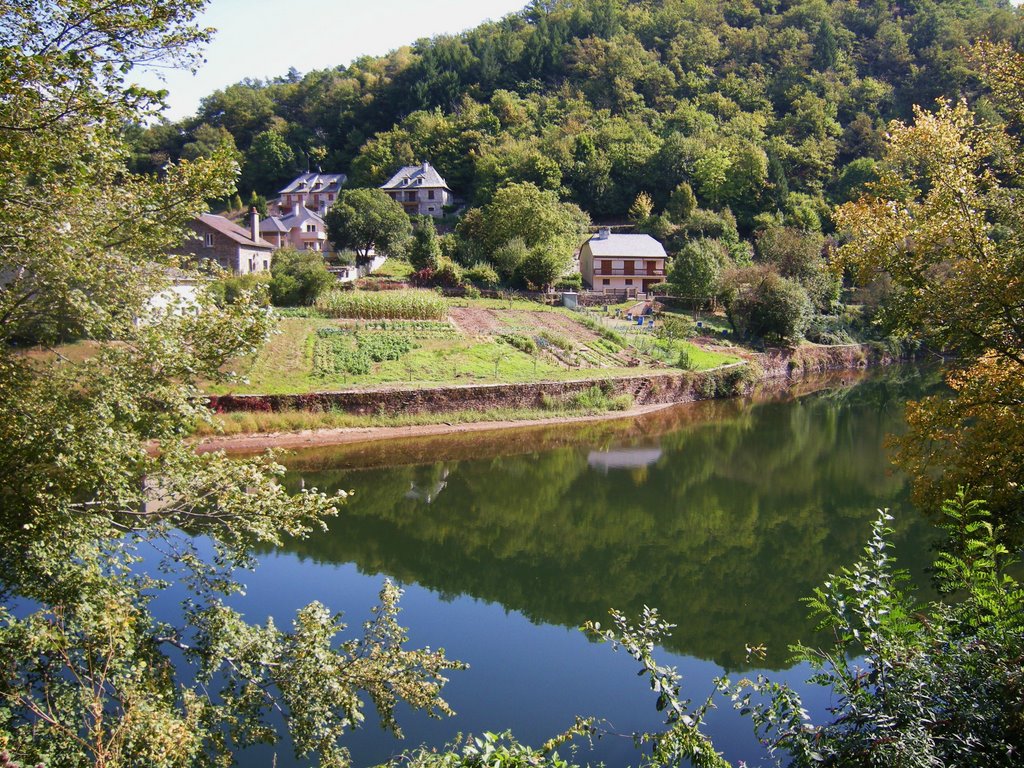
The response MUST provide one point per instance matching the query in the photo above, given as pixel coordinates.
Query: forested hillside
(761, 106)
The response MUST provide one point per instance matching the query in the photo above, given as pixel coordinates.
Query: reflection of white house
(623, 458)
(317, 191)
(630, 263)
(420, 189)
(301, 229)
(428, 491)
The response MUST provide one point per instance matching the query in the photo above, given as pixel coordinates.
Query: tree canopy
(367, 220)
(601, 100)
(93, 464)
(945, 224)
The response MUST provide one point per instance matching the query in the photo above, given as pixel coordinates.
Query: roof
(299, 216)
(232, 231)
(627, 245)
(416, 176)
(315, 182)
(273, 224)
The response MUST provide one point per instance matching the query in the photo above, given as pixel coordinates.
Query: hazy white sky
(261, 38)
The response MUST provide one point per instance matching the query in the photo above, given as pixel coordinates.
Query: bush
(520, 342)
(383, 305)
(227, 289)
(573, 282)
(773, 308)
(298, 278)
(482, 274)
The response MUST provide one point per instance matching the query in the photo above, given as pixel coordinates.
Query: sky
(262, 38)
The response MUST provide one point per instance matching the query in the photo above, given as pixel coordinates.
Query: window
(330, 197)
(266, 264)
(431, 209)
(430, 195)
(208, 239)
(311, 227)
(606, 281)
(629, 282)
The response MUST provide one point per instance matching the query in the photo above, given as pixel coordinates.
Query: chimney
(603, 232)
(254, 224)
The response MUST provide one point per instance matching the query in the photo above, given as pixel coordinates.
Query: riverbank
(448, 410)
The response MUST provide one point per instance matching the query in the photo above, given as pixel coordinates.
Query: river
(723, 515)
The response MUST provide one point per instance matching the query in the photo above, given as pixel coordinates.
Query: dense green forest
(759, 105)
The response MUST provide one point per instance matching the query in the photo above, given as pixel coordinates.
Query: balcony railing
(636, 272)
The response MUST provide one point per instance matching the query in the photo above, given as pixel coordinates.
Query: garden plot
(556, 334)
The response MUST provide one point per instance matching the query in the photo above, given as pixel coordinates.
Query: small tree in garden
(697, 267)
(366, 220)
(764, 305)
(298, 277)
(425, 249)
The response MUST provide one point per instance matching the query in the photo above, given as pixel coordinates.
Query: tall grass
(383, 305)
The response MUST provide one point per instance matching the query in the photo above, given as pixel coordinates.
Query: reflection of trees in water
(724, 532)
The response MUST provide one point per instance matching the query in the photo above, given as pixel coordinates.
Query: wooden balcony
(635, 272)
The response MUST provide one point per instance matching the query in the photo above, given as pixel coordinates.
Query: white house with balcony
(420, 190)
(622, 263)
(301, 229)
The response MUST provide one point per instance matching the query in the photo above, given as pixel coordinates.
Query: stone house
(622, 263)
(301, 229)
(420, 189)
(233, 247)
(315, 190)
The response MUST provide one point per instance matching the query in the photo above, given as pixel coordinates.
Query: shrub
(482, 273)
(298, 277)
(520, 342)
(771, 308)
(383, 305)
(228, 289)
(573, 282)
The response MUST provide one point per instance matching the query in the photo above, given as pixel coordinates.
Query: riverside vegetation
(698, 96)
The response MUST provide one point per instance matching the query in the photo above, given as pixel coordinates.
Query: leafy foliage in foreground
(945, 224)
(95, 475)
(915, 685)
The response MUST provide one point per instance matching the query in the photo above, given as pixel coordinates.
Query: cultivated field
(471, 342)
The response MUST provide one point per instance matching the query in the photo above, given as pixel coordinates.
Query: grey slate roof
(231, 230)
(272, 224)
(299, 216)
(315, 182)
(642, 246)
(422, 176)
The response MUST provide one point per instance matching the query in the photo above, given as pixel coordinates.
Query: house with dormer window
(420, 190)
(315, 190)
(301, 229)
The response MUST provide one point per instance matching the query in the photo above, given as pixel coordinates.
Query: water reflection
(723, 523)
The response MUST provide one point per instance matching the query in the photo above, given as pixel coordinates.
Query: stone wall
(670, 387)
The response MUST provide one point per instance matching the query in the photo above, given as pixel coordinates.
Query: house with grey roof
(233, 247)
(420, 189)
(301, 229)
(315, 190)
(622, 263)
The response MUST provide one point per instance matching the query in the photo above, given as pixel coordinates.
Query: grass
(294, 421)
(393, 269)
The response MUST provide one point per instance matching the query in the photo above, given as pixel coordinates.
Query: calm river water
(722, 515)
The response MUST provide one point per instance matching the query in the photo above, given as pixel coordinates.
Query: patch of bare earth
(475, 322)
